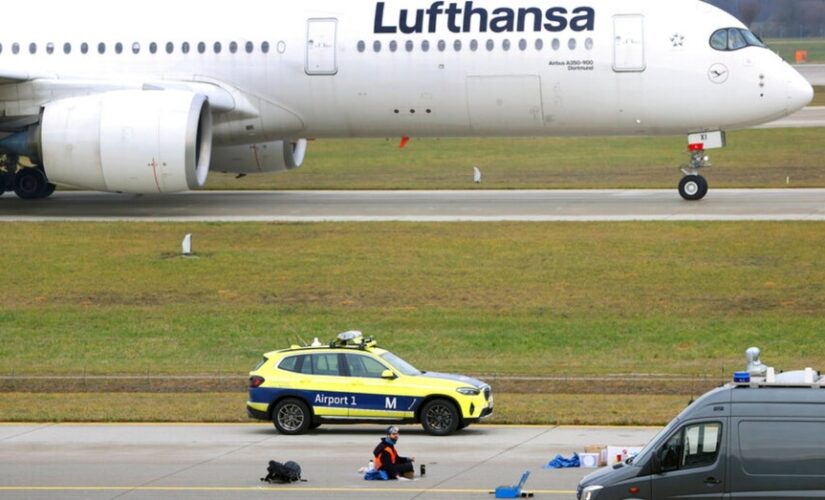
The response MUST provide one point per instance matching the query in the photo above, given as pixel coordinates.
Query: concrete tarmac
(183, 461)
(426, 206)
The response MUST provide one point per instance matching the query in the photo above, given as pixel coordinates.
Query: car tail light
(255, 381)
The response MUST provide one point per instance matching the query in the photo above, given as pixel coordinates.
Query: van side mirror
(388, 374)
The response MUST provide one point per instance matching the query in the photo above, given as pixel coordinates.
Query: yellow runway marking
(446, 491)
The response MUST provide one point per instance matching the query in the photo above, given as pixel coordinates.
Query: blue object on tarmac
(513, 491)
(564, 463)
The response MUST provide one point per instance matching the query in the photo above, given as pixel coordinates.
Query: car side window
(695, 445)
(289, 364)
(324, 364)
(364, 366)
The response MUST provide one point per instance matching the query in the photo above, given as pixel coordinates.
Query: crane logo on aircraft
(468, 18)
(718, 73)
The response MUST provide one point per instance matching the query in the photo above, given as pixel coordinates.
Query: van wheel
(439, 417)
(291, 416)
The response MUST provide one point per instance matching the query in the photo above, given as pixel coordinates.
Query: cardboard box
(599, 449)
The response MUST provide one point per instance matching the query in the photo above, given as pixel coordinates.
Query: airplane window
(409, 46)
(393, 46)
(50, 48)
(119, 48)
(736, 40)
(588, 44)
(442, 45)
(249, 47)
(136, 48)
(184, 47)
(170, 47)
(457, 45)
(217, 47)
(101, 48)
(233, 47)
(425, 46)
(361, 46)
(571, 44)
(153, 47)
(539, 44)
(752, 39)
(505, 45)
(15, 48)
(1, 48)
(201, 47)
(32, 48)
(84, 48)
(719, 40)
(556, 44)
(490, 45)
(376, 46)
(265, 48)
(474, 45)
(67, 48)
(522, 44)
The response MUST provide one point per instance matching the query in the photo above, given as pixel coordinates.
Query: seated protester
(387, 459)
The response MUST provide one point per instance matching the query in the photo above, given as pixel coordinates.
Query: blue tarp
(564, 463)
(376, 475)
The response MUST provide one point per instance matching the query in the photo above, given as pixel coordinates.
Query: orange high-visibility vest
(393, 456)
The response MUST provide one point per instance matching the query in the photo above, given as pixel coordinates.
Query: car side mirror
(388, 374)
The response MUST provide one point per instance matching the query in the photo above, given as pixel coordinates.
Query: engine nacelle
(275, 156)
(128, 141)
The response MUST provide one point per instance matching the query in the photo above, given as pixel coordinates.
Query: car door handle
(712, 481)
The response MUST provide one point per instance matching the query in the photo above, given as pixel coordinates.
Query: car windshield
(399, 364)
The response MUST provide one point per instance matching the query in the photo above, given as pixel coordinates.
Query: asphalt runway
(93, 461)
(427, 206)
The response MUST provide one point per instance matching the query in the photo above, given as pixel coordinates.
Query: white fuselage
(634, 67)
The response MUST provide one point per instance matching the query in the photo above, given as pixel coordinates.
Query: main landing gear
(28, 183)
(693, 186)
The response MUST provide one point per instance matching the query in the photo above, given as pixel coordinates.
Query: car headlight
(590, 492)
(469, 391)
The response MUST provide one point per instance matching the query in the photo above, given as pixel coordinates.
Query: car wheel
(291, 416)
(439, 417)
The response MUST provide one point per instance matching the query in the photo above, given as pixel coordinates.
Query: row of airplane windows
(169, 48)
(474, 45)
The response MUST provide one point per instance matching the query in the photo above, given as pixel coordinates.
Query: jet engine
(130, 141)
(275, 156)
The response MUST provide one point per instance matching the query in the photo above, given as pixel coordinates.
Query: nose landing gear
(693, 186)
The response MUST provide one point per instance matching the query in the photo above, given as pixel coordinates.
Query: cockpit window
(734, 39)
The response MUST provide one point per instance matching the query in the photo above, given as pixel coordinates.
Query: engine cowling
(128, 141)
(275, 156)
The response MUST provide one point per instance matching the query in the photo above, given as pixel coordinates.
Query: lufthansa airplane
(148, 96)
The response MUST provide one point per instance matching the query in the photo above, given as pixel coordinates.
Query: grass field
(752, 158)
(506, 298)
(787, 47)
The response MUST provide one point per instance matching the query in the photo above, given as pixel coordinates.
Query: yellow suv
(351, 380)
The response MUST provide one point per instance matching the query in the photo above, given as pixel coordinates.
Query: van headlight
(590, 492)
(469, 391)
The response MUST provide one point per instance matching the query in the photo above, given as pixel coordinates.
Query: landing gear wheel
(30, 184)
(49, 190)
(291, 416)
(439, 417)
(693, 187)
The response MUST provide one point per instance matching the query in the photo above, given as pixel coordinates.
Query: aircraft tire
(693, 187)
(49, 190)
(30, 184)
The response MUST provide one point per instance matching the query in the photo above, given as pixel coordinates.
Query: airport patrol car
(352, 380)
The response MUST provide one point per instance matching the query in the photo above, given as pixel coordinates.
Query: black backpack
(277, 472)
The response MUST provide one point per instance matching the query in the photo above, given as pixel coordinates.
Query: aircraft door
(321, 52)
(628, 43)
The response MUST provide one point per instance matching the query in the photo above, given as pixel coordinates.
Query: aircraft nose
(800, 92)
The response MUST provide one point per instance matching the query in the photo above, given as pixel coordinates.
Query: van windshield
(643, 455)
